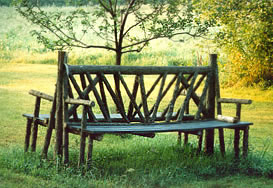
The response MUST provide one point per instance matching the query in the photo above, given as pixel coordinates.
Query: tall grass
(120, 162)
(138, 162)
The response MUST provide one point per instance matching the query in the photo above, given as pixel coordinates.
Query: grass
(132, 161)
(120, 162)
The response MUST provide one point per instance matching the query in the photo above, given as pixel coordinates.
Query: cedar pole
(59, 105)
(65, 114)
(50, 127)
(35, 124)
(28, 133)
(209, 144)
(219, 111)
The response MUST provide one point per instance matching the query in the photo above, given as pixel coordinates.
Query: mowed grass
(120, 162)
(132, 161)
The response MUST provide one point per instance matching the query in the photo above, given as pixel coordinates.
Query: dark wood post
(65, 115)
(83, 137)
(179, 138)
(245, 141)
(219, 112)
(237, 132)
(209, 141)
(35, 124)
(50, 127)
(236, 142)
(186, 138)
(89, 151)
(62, 56)
(28, 133)
(200, 141)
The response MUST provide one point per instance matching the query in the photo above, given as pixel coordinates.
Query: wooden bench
(139, 100)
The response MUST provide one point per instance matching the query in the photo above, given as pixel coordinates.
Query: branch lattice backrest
(138, 94)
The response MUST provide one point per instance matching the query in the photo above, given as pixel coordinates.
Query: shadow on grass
(137, 162)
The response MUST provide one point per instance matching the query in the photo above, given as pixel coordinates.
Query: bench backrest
(139, 93)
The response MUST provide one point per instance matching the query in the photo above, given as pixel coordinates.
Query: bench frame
(64, 118)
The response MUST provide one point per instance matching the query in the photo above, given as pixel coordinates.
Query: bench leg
(222, 141)
(186, 138)
(236, 142)
(209, 147)
(200, 142)
(51, 125)
(82, 149)
(66, 146)
(47, 141)
(34, 135)
(245, 141)
(89, 152)
(28, 133)
(179, 139)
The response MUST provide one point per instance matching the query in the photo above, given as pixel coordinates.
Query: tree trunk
(118, 57)
(117, 83)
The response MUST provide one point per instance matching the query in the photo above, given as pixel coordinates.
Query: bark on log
(209, 144)
(35, 124)
(62, 59)
(92, 69)
(231, 100)
(28, 133)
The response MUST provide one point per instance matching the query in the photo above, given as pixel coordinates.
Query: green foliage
(246, 33)
(121, 26)
(5, 2)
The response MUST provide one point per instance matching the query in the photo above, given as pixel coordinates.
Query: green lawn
(121, 162)
(132, 161)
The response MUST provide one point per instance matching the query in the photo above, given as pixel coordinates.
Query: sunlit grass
(128, 162)
(123, 162)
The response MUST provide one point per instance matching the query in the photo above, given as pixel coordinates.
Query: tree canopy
(121, 25)
(246, 34)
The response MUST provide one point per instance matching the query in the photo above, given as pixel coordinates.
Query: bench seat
(94, 128)
(114, 117)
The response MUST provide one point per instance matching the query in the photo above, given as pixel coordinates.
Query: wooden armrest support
(69, 100)
(41, 95)
(227, 119)
(80, 102)
(238, 101)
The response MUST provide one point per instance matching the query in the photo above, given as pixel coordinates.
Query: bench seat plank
(113, 117)
(95, 128)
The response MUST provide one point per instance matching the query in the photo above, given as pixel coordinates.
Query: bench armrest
(41, 95)
(80, 102)
(68, 100)
(237, 101)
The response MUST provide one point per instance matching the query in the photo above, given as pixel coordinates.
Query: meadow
(121, 162)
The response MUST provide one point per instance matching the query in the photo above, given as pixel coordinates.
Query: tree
(123, 25)
(246, 35)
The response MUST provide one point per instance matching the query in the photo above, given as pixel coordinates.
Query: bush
(5, 2)
(245, 33)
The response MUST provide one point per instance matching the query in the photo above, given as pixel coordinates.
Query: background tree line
(58, 2)
(51, 2)
(244, 30)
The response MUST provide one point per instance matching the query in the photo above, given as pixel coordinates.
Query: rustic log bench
(139, 100)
